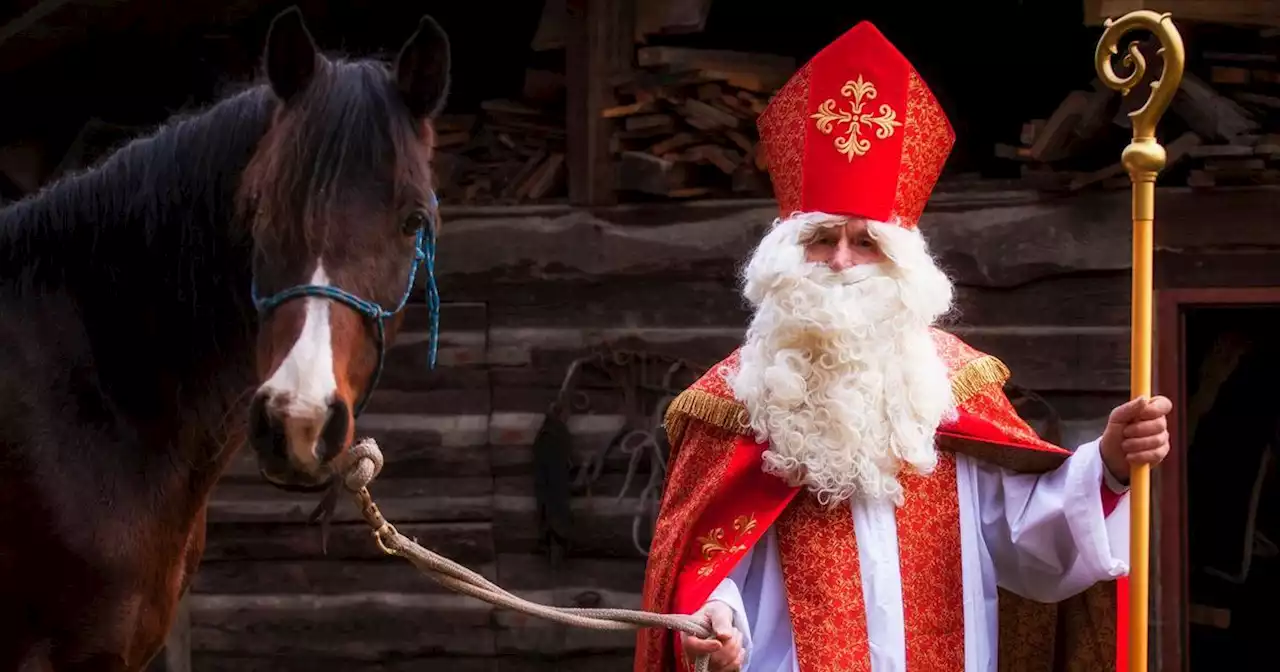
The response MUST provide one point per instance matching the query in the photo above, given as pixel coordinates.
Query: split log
(1226, 102)
(511, 152)
(690, 128)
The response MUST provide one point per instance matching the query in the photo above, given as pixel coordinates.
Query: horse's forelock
(349, 142)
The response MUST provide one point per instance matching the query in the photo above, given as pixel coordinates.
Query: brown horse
(232, 278)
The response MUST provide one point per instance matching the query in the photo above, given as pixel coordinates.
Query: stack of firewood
(1223, 127)
(685, 125)
(512, 151)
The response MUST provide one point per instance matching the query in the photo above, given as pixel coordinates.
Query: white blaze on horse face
(304, 384)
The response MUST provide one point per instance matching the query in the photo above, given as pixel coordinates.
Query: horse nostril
(333, 438)
(265, 434)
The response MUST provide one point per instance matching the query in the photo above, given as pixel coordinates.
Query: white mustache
(849, 276)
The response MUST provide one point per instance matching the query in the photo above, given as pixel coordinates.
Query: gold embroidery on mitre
(714, 547)
(852, 142)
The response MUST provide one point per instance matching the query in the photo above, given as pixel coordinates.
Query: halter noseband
(424, 250)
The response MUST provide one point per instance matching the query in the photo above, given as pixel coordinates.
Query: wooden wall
(1041, 283)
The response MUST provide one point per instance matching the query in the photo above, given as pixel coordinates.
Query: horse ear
(291, 55)
(422, 69)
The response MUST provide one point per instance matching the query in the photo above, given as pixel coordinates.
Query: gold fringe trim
(976, 376)
(716, 411)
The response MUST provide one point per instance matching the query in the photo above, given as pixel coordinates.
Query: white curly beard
(839, 372)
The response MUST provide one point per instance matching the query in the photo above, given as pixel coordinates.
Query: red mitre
(855, 132)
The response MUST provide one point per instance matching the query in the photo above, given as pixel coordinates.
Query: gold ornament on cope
(1144, 158)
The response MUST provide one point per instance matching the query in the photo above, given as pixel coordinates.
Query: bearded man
(852, 490)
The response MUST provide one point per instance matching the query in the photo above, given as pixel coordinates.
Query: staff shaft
(1144, 158)
(1140, 386)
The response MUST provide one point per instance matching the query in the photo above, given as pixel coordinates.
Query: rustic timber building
(599, 193)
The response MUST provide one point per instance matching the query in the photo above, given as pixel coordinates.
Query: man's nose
(841, 257)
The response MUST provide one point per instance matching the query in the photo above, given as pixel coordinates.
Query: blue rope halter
(424, 250)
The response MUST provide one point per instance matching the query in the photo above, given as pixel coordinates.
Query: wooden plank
(321, 576)
(1100, 298)
(577, 582)
(590, 440)
(519, 633)
(462, 334)
(444, 400)
(602, 521)
(360, 626)
(554, 349)
(598, 48)
(1084, 405)
(993, 243)
(372, 626)
(464, 542)
(1042, 357)
(620, 301)
(424, 500)
(1227, 267)
(413, 445)
(1058, 358)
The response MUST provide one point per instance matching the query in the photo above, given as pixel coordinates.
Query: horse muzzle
(295, 440)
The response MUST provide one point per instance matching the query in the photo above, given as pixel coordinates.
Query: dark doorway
(1231, 422)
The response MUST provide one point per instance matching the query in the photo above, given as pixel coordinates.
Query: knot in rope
(360, 465)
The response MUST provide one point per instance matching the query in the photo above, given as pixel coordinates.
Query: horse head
(340, 202)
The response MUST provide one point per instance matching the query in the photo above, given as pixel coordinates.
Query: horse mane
(165, 187)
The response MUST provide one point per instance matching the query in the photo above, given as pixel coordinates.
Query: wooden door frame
(1171, 631)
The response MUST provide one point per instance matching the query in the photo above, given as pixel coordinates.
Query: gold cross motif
(851, 142)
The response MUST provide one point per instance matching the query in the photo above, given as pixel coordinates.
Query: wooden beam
(1250, 12)
(599, 48)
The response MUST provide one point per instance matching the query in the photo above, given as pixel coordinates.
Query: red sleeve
(1110, 498)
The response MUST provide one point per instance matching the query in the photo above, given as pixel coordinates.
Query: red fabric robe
(718, 502)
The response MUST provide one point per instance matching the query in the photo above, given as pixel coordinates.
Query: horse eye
(414, 222)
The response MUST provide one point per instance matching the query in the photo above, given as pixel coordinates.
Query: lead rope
(363, 462)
